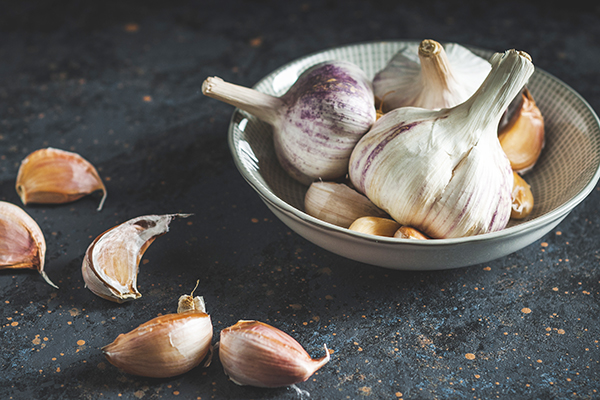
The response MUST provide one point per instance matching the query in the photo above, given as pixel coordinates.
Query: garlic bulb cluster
(110, 265)
(429, 75)
(165, 346)
(22, 243)
(444, 172)
(54, 176)
(254, 353)
(316, 123)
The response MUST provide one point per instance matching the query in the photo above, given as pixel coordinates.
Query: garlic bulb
(110, 265)
(257, 354)
(338, 204)
(53, 176)
(523, 137)
(163, 347)
(316, 123)
(522, 197)
(427, 75)
(444, 172)
(22, 243)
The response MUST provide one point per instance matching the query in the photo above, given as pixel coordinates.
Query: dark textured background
(119, 83)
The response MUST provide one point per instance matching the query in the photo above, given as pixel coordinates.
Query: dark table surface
(119, 83)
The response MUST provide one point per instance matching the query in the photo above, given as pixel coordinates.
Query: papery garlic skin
(110, 264)
(444, 172)
(54, 176)
(22, 243)
(316, 123)
(256, 354)
(429, 75)
(163, 347)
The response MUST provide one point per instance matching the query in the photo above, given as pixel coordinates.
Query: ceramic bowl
(565, 174)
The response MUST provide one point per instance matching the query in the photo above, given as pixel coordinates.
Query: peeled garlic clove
(254, 353)
(22, 243)
(53, 176)
(523, 137)
(375, 226)
(110, 265)
(429, 75)
(316, 123)
(407, 232)
(522, 197)
(444, 172)
(163, 347)
(338, 204)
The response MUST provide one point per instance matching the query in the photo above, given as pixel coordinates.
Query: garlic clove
(163, 347)
(338, 204)
(188, 302)
(110, 264)
(522, 198)
(316, 123)
(375, 226)
(407, 232)
(431, 76)
(22, 243)
(254, 353)
(523, 137)
(444, 172)
(53, 176)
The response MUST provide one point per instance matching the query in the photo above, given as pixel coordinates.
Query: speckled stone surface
(119, 83)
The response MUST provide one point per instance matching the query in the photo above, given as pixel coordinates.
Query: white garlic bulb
(427, 75)
(444, 172)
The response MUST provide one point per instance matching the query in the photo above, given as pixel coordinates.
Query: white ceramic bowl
(565, 174)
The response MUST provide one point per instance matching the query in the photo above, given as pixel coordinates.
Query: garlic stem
(497, 92)
(435, 67)
(263, 106)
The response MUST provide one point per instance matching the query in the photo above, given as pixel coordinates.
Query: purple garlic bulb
(316, 123)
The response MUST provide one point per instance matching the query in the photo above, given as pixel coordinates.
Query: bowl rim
(525, 227)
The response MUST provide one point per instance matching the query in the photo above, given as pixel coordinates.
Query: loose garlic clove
(375, 226)
(53, 176)
(22, 243)
(338, 204)
(163, 347)
(110, 265)
(188, 302)
(407, 232)
(522, 198)
(254, 353)
(523, 137)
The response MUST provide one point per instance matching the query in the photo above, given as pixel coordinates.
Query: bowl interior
(566, 172)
